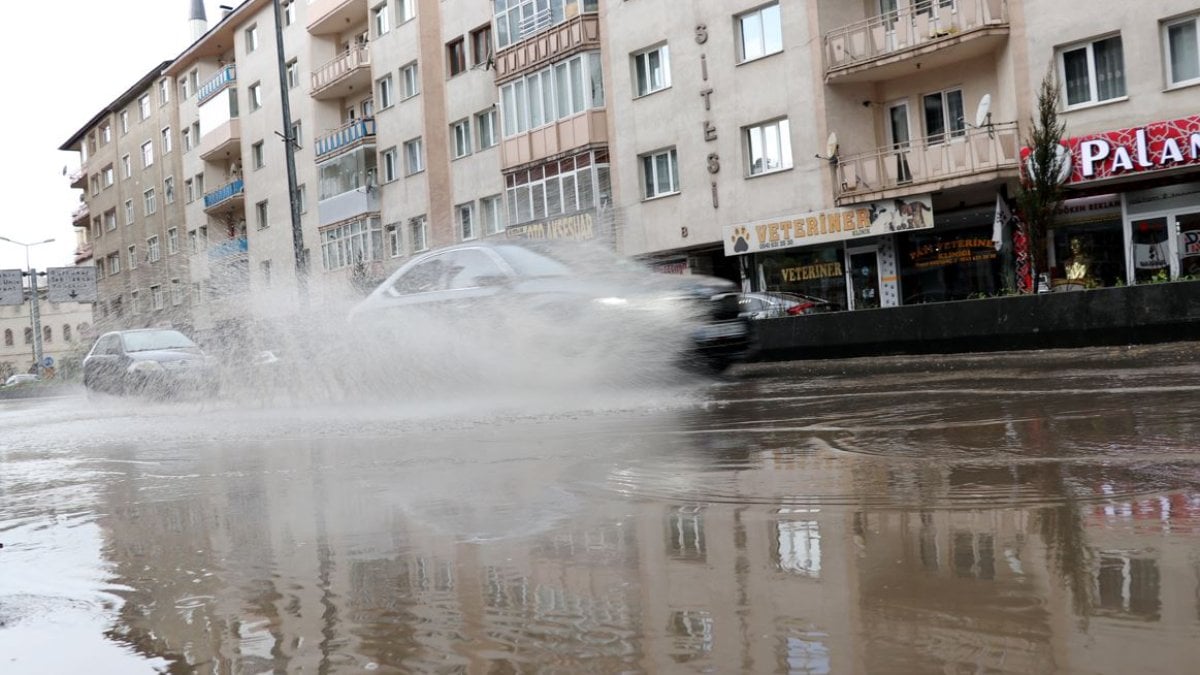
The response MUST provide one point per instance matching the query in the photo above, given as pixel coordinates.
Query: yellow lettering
(761, 232)
(835, 221)
(812, 226)
(774, 229)
(864, 218)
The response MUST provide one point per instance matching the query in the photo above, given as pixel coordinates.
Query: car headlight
(146, 367)
(611, 302)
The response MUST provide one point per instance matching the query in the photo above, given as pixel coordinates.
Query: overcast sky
(64, 62)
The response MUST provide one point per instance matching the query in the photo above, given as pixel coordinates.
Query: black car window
(472, 268)
(109, 345)
(424, 277)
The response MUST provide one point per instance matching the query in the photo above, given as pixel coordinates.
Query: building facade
(860, 154)
(66, 334)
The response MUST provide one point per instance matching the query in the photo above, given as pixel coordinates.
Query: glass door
(898, 139)
(1187, 228)
(863, 269)
(1151, 250)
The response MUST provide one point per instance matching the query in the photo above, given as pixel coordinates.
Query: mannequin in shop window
(1078, 268)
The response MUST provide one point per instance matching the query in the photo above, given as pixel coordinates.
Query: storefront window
(1088, 256)
(817, 273)
(1151, 258)
(1189, 245)
(948, 266)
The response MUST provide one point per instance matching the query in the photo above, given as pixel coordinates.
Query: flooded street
(1016, 513)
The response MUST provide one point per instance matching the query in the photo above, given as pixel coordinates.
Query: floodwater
(1024, 513)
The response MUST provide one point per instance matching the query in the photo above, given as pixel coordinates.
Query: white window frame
(414, 156)
(157, 299)
(258, 157)
(418, 234)
(381, 20)
(491, 212)
(1093, 83)
(144, 106)
(410, 81)
(557, 92)
(352, 242)
(114, 263)
(390, 161)
(147, 154)
(185, 138)
(464, 217)
(172, 240)
(293, 73)
(176, 293)
(153, 250)
(405, 11)
(1166, 45)
(108, 176)
(949, 132)
(126, 166)
(169, 190)
(251, 35)
(642, 70)
(254, 93)
(765, 128)
(460, 138)
(132, 249)
(760, 50)
(149, 201)
(262, 215)
(289, 13)
(164, 92)
(383, 87)
(130, 214)
(485, 123)
(123, 117)
(166, 140)
(649, 166)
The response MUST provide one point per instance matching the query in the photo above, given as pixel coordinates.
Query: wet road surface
(1023, 513)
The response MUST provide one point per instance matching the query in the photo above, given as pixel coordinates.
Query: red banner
(1153, 147)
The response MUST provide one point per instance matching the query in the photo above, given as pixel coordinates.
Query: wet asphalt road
(1018, 513)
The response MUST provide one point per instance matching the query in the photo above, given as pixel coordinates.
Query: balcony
(80, 215)
(335, 16)
(587, 128)
(224, 78)
(230, 195)
(83, 253)
(358, 132)
(222, 143)
(79, 179)
(577, 34)
(882, 47)
(228, 249)
(349, 73)
(976, 156)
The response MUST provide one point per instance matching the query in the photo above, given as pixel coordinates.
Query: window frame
(405, 11)
(262, 215)
(407, 92)
(251, 37)
(664, 57)
(418, 224)
(381, 19)
(1165, 36)
(648, 169)
(949, 132)
(747, 151)
(389, 162)
(254, 96)
(130, 212)
(740, 34)
(149, 201)
(456, 57)
(383, 87)
(153, 249)
(465, 224)
(1088, 46)
(258, 155)
(460, 139)
(172, 240)
(414, 155)
(147, 154)
(496, 224)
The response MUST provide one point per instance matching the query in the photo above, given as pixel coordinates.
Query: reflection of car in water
(771, 305)
(148, 361)
(19, 379)
(482, 284)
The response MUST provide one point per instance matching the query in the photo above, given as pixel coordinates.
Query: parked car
(151, 361)
(763, 305)
(552, 284)
(19, 379)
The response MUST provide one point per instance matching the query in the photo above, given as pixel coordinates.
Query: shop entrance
(862, 269)
(1166, 246)
(1187, 228)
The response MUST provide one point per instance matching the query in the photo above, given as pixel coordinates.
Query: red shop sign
(1156, 146)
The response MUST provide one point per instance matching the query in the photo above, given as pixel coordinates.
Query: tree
(1041, 190)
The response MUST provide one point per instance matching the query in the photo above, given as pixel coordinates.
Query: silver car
(152, 361)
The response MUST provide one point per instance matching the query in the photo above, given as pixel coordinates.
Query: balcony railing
(230, 247)
(223, 78)
(80, 213)
(78, 178)
(83, 252)
(224, 193)
(340, 67)
(345, 137)
(553, 42)
(916, 165)
(923, 22)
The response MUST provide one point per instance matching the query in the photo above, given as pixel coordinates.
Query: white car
(20, 378)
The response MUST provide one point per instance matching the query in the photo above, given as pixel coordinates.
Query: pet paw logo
(741, 237)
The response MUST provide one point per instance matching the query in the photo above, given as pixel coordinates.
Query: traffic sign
(48, 362)
(12, 289)
(71, 284)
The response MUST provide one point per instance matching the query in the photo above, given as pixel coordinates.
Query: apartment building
(130, 173)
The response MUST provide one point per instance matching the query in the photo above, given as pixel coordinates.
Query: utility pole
(290, 154)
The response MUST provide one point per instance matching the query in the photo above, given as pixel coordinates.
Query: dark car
(596, 293)
(152, 361)
(767, 305)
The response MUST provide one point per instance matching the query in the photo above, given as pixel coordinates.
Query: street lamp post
(35, 321)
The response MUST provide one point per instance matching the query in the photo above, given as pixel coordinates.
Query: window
(47, 334)
(176, 293)
(114, 263)
(184, 90)
(481, 46)
(156, 297)
(414, 161)
(351, 243)
(153, 252)
(1093, 72)
(405, 11)
(660, 174)
(486, 124)
(260, 215)
(298, 134)
(293, 74)
(460, 134)
(383, 22)
(132, 251)
(408, 80)
(8, 337)
(95, 185)
(194, 80)
(172, 241)
(302, 198)
(110, 220)
(147, 154)
(199, 185)
(289, 13)
(264, 267)
(166, 140)
(96, 227)
(123, 118)
(256, 155)
(491, 211)
(189, 191)
(465, 214)
(169, 189)
(185, 137)
(768, 147)
(193, 242)
(384, 87)
(390, 170)
(759, 33)
(368, 108)
(251, 38)
(1181, 40)
(105, 134)
(128, 211)
(566, 186)
(944, 116)
(126, 166)
(29, 331)
(395, 239)
(416, 234)
(255, 93)
(652, 70)
(553, 93)
(135, 304)
(66, 332)
(107, 176)
(150, 201)
(456, 56)
(144, 106)
(164, 92)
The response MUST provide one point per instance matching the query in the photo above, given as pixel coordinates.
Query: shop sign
(952, 252)
(1189, 243)
(821, 227)
(575, 227)
(815, 271)
(1157, 146)
(671, 267)
(1087, 210)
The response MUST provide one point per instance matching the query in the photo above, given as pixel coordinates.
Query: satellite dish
(831, 145)
(983, 114)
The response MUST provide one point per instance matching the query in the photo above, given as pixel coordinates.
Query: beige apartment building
(66, 332)
(853, 152)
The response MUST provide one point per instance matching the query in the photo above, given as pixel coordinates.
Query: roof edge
(117, 103)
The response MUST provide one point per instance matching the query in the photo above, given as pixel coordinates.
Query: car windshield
(142, 341)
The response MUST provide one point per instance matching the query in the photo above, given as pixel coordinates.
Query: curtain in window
(1075, 67)
(1185, 52)
(1110, 69)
